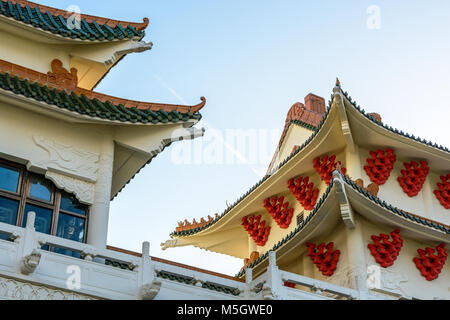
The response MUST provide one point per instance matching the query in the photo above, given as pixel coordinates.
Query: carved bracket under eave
(150, 290)
(134, 47)
(30, 262)
(339, 102)
(346, 209)
(174, 243)
(83, 190)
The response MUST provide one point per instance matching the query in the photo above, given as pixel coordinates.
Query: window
(57, 212)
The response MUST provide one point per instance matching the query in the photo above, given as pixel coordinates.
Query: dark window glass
(22, 192)
(70, 203)
(41, 188)
(70, 227)
(8, 210)
(67, 252)
(43, 222)
(9, 178)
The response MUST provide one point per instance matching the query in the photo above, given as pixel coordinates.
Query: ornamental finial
(338, 83)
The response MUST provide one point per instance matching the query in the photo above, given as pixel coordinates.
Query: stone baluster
(30, 254)
(149, 284)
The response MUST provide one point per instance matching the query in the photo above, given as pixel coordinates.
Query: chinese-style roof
(365, 193)
(54, 20)
(60, 90)
(374, 118)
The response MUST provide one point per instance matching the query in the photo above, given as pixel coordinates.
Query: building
(349, 208)
(66, 151)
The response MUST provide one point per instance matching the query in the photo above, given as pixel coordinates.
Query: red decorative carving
(376, 116)
(325, 261)
(429, 264)
(248, 261)
(413, 177)
(304, 192)
(279, 210)
(61, 77)
(326, 166)
(384, 251)
(443, 192)
(256, 229)
(371, 188)
(289, 284)
(380, 165)
(186, 225)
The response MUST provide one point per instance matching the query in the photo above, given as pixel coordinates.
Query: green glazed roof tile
(58, 24)
(89, 107)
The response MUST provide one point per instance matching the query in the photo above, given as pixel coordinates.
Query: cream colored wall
(34, 55)
(424, 204)
(403, 277)
(91, 60)
(303, 265)
(19, 128)
(296, 135)
(400, 279)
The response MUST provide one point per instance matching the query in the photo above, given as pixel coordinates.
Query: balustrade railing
(146, 276)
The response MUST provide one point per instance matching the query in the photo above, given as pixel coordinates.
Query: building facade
(349, 209)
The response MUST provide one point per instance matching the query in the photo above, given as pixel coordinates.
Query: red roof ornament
(384, 251)
(325, 167)
(304, 192)
(380, 165)
(279, 210)
(257, 229)
(430, 264)
(324, 257)
(443, 192)
(62, 78)
(413, 177)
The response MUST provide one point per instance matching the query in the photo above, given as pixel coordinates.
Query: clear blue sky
(252, 60)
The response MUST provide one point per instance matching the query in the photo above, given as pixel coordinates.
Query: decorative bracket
(346, 209)
(339, 101)
(174, 243)
(150, 290)
(134, 46)
(267, 293)
(30, 262)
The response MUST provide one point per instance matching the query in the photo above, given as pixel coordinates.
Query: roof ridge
(93, 107)
(52, 82)
(89, 18)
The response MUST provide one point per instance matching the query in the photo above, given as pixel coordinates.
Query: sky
(252, 60)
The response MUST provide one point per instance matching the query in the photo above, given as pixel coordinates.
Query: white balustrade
(23, 259)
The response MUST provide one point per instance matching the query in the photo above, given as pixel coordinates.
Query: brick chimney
(315, 103)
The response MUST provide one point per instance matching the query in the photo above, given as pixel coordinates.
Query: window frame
(24, 198)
